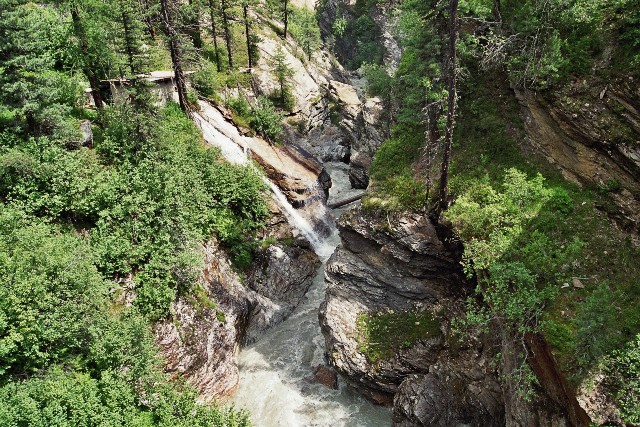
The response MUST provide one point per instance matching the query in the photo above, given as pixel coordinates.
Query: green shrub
(50, 291)
(367, 35)
(265, 119)
(239, 106)
(339, 26)
(623, 377)
(379, 83)
(207, 81)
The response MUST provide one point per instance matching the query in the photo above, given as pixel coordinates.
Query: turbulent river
(276, 373)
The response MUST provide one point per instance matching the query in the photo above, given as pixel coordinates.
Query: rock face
(331, 119)
(280, 277)
(201, 342)
(392, 265)
(591, 131)
(398, 265)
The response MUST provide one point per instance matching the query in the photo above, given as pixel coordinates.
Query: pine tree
(88, 65)
(245, 16)
(285, 17)
(283, 73)
(451, 77)
(224, 10)
(168, 11)
(214, 31)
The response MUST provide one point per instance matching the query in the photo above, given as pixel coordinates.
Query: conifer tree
(247, 25)
(224, 11)
(168, 11)
(285, 17)
(214, 31)
(451, 77)
(89, 66)
(283, 73)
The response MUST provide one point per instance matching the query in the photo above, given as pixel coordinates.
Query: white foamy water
(234, 148)
(229, 149)
(320, 246)
(276, 373)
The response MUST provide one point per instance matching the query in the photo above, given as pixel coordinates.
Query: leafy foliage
(283, 73)
(623, 373)
(304, 28)
(50, 292)
(77, 221)
(265, 119)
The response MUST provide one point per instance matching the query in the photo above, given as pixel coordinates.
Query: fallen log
(346, 201)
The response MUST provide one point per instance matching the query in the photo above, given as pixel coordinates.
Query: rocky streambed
(283, 377)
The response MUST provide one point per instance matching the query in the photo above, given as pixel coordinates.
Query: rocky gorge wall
(405, 264)
(400, 265)
(590, 130)
(201, 342)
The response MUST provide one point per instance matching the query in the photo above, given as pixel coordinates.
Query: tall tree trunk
(88, 66)
(451, 104)
(176, 54)
(194, 26)
(148, 18)
(432, 137)
(214, 32)
(246, 32)
(227, 33)
(286, 17)
(497, 14)
(129, 42)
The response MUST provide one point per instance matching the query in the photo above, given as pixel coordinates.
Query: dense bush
(170, 199)
(50, 291)
(76, 222)
(207, 80)
(623, 377)
(265, 119)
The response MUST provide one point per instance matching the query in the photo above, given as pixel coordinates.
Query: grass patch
(397, 185)
(382, 335)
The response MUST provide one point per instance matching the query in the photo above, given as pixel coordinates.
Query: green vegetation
(84, 222)
(543, 252)
(263, 117)
(305, 30)
(382, 335)
(68, 356)
(622, 369)
(283, 73)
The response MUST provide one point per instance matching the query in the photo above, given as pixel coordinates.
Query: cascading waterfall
(319, 245)
(235, 147)
(229, 149)
(276, 373)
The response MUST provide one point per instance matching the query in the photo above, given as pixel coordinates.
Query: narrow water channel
(276, 373)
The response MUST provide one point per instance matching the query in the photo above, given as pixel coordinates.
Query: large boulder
(280, 276)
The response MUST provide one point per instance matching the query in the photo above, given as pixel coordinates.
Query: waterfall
(229, 149)
(275, 372)
(320, 246)
(236, 154)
